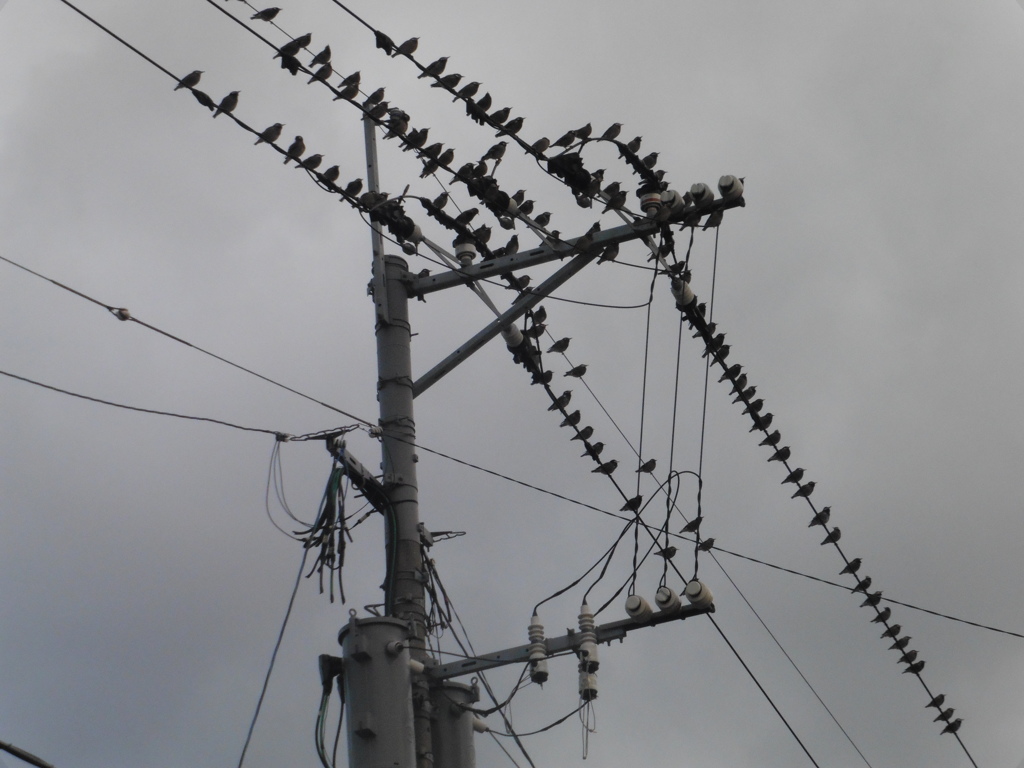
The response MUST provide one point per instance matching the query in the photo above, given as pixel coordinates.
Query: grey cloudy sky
(871, 287)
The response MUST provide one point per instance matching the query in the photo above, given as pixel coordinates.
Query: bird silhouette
(607, 468)
(322, 74)
(227, 104)
(572, 419)
(311, 163)
(632, 505)
(435, 68)
(706, 545)
(565, 139)
(851, 567)
(512, 127)
(634, 144)
(331, 175)
(782, 454)
(937, 701)
(731, 372)
(540, 146)
(882, 616)
(384, 42)
(804, 491)
(762, 422)
(448, 81)
(908, 658)
(900, 644)
(915, 668)
(267, 14)
(772, 439)
(863, 585)
(543, 219)
(501, 115)
(692, 526)
(295, 151)
(821, 517)
(873, 599)
(408, 48)
(954, 726)
(891, 631)
(794, 476)
(271, 134)
(612, 132)
(561, 401)
(754, 407)
(592, 450)
(833, 536)
(577, 371)
(584, 434)
(321, 58)
(190, 80)
(944, 715)
(648, 466)
(737, 389)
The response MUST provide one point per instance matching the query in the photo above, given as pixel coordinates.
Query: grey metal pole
(404, 592)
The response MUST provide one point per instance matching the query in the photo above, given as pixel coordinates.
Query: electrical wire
(273, 658)
(122, 314)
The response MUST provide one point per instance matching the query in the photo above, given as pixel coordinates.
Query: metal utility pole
(403, 710)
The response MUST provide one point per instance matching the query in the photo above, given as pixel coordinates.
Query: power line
(123, 314)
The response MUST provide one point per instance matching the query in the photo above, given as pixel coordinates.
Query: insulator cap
(672, 200)
(480, 725)
(650, 202)
(701, 193)
(667, 600)
(512, 335)
(465, 253)
(588, 686)
(698, 594)
(729, 187)
(682, 292)
(587, 648)
(637, 608)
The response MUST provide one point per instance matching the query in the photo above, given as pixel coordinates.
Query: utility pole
(404, 710)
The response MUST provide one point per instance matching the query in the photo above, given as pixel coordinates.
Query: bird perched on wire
(633, 504)
(692, 526)
(311, 163)
(495, 153)
(762, 422)
(331, 175)
(882, 616)
(321, 58)
(891, 631)
(448, 81)
(584, 434)
(909, 657)
(648, 466)
(915, 668)
(804, 491)
(944, 715)
(851, 567)
(782, 454)
(821, 517)
(501, 115)
(408, 48)
(271, 134)
(467, 92)
(540, 146)
(593, 450)
(832, 537)
(572, 419)
(900, 644)
(873, 599)
(512, 127)
(295, 45)
(937, 701)
(384, 42)
(577, 371)
(863, 585)
(731, 372)
(607, 468)
(706, 545)
(565, 140)
(738, 389)
(295, 151)
(322, 74)
(755, 406)
(191, 80)
(561, 401)
(794, 476)
(227, 104)
(612, 132)
(435, 68)
(954, 726)
(772, 440)
(560, 346)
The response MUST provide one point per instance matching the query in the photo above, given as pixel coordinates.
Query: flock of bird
(587, 187)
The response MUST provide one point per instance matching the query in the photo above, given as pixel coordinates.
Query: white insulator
(588, 686)
(465, 253)
(512, 335)
(651, 202)
(538, 651)
(637, 608)
(417, 234)
(587, 648)
(667, 600)
(701, 193)
(417, 667)
(409, 249)
(395, 647)
(698, 594)
(480, 725)
(683, 293)
(729, 187)
(672, 200)
(513, 206)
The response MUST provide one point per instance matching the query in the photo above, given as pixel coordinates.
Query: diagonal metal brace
(517, 310)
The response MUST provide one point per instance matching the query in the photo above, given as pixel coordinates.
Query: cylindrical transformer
(378, 693)
(452, 724)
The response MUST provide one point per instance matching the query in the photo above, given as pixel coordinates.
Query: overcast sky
(870, 287)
